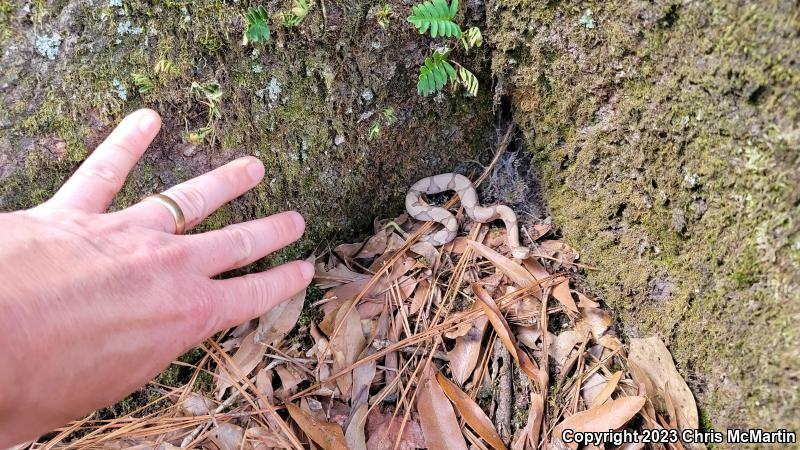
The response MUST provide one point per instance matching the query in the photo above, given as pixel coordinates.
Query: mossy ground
(666, 135)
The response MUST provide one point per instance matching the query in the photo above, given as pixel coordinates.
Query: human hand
(94, 304)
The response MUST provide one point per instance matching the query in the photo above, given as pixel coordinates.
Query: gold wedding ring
(174, 209)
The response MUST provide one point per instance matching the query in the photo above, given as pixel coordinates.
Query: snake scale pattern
(420, 210)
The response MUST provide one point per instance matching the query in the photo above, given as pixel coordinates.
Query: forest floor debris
(453, 347)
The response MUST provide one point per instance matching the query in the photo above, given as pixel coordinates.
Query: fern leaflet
(374, 131)
(433, 75)
(436, 16)
(143, 83)
(472, 38)
(298, 12)
(468, 80)
(257, 25)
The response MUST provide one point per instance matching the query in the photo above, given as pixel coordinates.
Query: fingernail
(307, 270)
(299, 221)
(147, 122)
(255, 170)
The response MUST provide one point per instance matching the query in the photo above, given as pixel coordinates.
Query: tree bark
(666, 136)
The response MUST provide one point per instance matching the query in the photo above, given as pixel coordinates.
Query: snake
(420, 210)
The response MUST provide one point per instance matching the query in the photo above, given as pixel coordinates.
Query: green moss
(310, 314)
(519, 418)
(126, 406)
(177, 375)
(748, 270)
(633, 127)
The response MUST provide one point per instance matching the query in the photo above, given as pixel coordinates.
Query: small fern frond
(167, 67)
(257, 25)
(143, 83)
(436, 16)
(383, 15)
(198, 136)
(468, 80)
(433, 75)
(472, 38)
(389, 116)
(374, 131)
(210, 94)
(298, 12)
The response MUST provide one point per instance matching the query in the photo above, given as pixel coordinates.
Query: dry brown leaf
(465, 354)
(362, 379)
(375, 245)
(610, 342)
(383, 427)
(652, 357)
(503, 331)
(355, 435)
(265, 438)
(559, 250)
(346, 346)
(538, 230)
(275, 323)
(608, 389)
(421, 294)
(379, 292)
(325, 278)
(426, 250)
(395, 242)
(227, 436)
(563, 344)
(592, 386)
(471, 412)
(610, 415)
(642, 381)
(528, 335)
(585, 302)
(246, 358)
(235, 337)
(196, 404)
(438, 420)
(461, 329)
(511, 269)
(597, 319)
(290, 377)
(363, 376)
(562, 293)
(456, 246)
(535, 268)
(327, 435)
(673, 417)
(530, 433)
(347, 251)
(265, 390)
(344, 293)
(495, 238)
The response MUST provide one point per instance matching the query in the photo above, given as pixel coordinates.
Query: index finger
(93, 186)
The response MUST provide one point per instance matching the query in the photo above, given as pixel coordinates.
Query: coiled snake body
(418, 209)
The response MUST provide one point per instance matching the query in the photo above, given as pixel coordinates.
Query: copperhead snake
(420, 210)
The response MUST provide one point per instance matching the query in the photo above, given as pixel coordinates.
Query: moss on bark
(666, 134)
(303, 103)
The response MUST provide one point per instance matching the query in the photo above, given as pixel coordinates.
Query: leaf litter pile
(454, 347)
